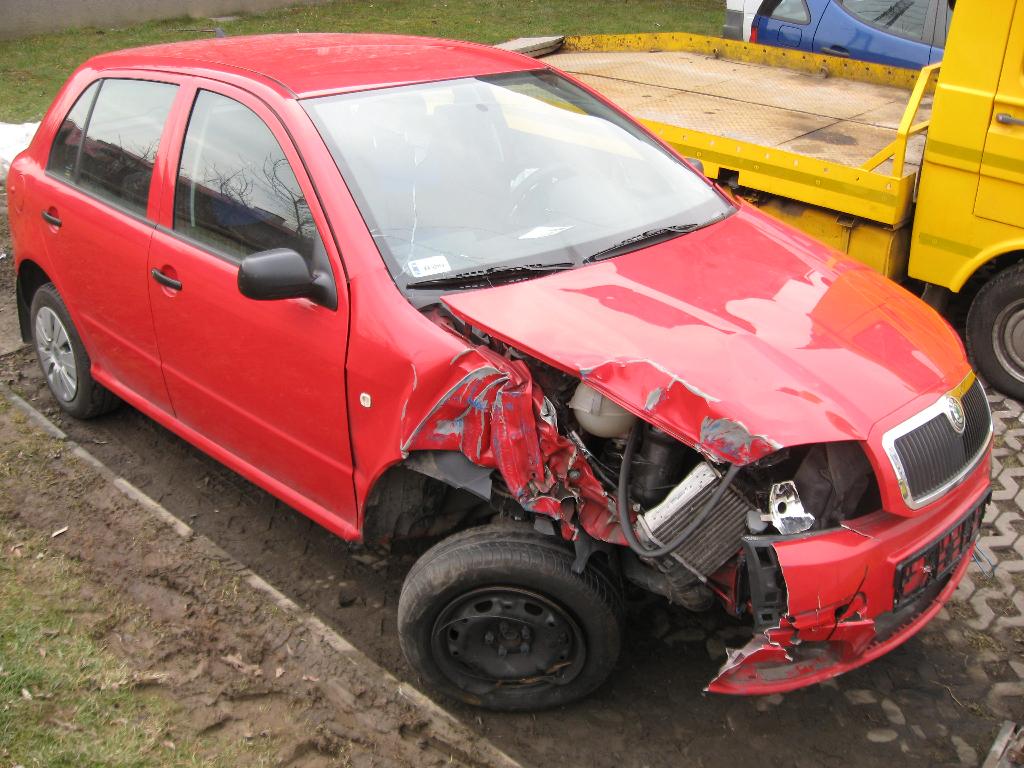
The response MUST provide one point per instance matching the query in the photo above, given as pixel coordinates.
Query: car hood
(738, 338)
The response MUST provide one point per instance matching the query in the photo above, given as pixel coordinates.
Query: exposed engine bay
(689, 514)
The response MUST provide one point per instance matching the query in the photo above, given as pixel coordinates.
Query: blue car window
(793, 11)
(905, 18)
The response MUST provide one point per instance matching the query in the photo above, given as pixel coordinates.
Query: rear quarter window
(793, 11)
(64, 150)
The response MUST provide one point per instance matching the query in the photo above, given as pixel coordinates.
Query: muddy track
(913, 706)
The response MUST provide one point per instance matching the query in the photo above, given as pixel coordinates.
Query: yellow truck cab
(969, 224)
(917, 174)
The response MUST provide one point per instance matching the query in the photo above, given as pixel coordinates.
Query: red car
(414, 287)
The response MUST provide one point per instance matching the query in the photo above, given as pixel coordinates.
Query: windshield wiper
(648, 237)
(487, 276)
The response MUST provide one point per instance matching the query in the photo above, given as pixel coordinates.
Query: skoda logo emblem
(955, 414)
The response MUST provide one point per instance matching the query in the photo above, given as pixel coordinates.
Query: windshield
(480, 175)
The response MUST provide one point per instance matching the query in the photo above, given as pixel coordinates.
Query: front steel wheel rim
(507, 637)
(57, 358)
(1008, 339)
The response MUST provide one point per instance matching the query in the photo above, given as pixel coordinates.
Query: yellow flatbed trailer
(790, 125)
(920, 175)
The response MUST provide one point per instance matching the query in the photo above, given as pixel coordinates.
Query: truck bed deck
(830, 118)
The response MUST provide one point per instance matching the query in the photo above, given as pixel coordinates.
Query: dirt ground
(937, 700)
(180, 614)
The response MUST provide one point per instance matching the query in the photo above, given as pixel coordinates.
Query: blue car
(902, 33)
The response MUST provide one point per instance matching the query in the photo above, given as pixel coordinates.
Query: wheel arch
(987, 262)
(31, 277)
(426, 494)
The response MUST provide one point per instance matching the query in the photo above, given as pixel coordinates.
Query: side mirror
(698, 165)
(282, 273)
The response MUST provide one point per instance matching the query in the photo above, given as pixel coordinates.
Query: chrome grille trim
(919, 449)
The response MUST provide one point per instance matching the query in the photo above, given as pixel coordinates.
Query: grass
(32, 69)
(64, 701)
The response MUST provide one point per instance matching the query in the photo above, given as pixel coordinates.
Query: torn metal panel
(497, 418)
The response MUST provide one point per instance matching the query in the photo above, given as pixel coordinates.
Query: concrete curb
(445, 725)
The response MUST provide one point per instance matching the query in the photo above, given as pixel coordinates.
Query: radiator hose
(622, 497)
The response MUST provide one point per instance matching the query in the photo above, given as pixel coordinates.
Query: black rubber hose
(622, 497)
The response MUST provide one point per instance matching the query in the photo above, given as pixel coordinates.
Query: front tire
(63, 358)
(495, 617)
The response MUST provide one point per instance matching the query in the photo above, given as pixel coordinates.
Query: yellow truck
(918, 174)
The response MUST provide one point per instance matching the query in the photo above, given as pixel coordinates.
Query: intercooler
(717, 538)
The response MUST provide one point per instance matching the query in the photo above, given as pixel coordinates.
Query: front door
(898, 33)
(262, 383)
(1001, 186)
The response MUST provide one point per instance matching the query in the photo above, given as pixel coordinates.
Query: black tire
(464, 572)
(996, 350)
(89, 398)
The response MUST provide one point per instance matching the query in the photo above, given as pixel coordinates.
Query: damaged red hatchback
(413, 286)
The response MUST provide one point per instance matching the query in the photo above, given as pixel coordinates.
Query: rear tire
(495, 617)
(63, 358)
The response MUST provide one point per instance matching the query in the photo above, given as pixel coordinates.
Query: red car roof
(310, 64)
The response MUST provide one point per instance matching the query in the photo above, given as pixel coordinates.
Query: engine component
(598, 415)
(671, 580)
(836, 482)
(658, 466)
(711, 544)
(785, 511)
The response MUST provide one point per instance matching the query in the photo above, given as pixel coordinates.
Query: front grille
(934, 455)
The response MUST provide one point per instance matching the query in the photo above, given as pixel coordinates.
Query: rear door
(896, 32)
(785, 23)
(261, 383)
(1001, 186)
(95, 206)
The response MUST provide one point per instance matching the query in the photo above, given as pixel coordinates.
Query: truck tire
(495, 617)
(63, 358)
(995, 331)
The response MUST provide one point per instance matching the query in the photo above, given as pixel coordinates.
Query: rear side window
(236, 191)
(794, 11)
(121, 141)
(64, 151)
(905, 18)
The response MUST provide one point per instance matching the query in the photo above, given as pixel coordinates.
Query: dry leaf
(278, 672)
(59, 531)
(311, 679)
(26, 695)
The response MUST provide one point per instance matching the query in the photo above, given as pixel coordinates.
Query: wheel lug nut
(525, 634)
(502, 651)
(489, 638)
(524, 648)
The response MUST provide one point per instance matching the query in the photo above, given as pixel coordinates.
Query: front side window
(121, 140)
(905, 18)
(793, 11)
(522, 170)
(236, 192)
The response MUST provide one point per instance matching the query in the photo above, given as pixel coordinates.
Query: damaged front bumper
(832, 601)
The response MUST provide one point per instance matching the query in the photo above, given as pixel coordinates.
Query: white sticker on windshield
(543, 232)
(432, 265)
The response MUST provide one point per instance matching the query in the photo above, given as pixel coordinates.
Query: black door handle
(50, 219)
(163, 279)
(835, 50)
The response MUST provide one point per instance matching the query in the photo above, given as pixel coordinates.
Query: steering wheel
(535, 182)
